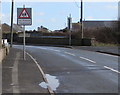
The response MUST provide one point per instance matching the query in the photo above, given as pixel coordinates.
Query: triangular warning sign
(24, 14)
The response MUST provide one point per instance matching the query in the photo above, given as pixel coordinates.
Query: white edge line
(43, 74)
(69, 53)
(108, 55)
(88, 59)
(111, 69)
(15, 76)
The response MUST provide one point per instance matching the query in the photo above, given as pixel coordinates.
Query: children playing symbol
(24, 14)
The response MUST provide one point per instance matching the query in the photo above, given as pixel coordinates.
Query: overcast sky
(53, 15)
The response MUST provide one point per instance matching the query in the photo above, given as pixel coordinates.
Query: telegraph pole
(69, 28)
(81, 20)
(11, 30)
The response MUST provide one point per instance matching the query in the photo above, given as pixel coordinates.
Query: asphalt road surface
(77, 71)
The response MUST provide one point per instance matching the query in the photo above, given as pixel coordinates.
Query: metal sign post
(24, 17)
(24, 55)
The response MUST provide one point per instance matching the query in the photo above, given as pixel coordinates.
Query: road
(76, 71)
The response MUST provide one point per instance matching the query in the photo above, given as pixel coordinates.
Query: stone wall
(2, 54)
(0, 28)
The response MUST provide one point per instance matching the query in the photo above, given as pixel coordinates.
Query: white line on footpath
(15, 75)
(43, 74)
(70, 53)
(88, 59)
(111, 69)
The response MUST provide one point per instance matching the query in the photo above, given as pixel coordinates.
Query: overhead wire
(76, 4)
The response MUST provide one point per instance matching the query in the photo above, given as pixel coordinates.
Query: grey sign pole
(24, 17)
(24, 53)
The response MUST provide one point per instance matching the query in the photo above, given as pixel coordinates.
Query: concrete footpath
(108, 50)
(19, 76)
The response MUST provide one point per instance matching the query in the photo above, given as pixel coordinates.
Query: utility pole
(69, 28)
(11, 30)
(81, 20)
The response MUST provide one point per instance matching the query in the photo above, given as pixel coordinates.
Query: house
(17, 28)
(34, 34)
(75, 27)
(20, 34)
(43, 29)
(58, 31)
(98, 24)
(93, 24)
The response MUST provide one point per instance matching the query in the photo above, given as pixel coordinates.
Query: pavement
(109, 50)
(113, 50)
(19, 76)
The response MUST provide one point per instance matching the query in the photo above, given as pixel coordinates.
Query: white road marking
(108, 55)
(55, 50)
(15, 75)
(88, 59)
(111, 69)
(41, 48)
(70, 53)
(43, 74)
(51, 49)
(37, 47)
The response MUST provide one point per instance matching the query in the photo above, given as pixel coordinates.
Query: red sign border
(21, 14)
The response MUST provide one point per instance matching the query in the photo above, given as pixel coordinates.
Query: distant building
(43, 29)
(93, 24)
(30, 34)
(58, 31)
(6, 29)
(22, 35)
(98, 24)
(75, 27)
(17, 28)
